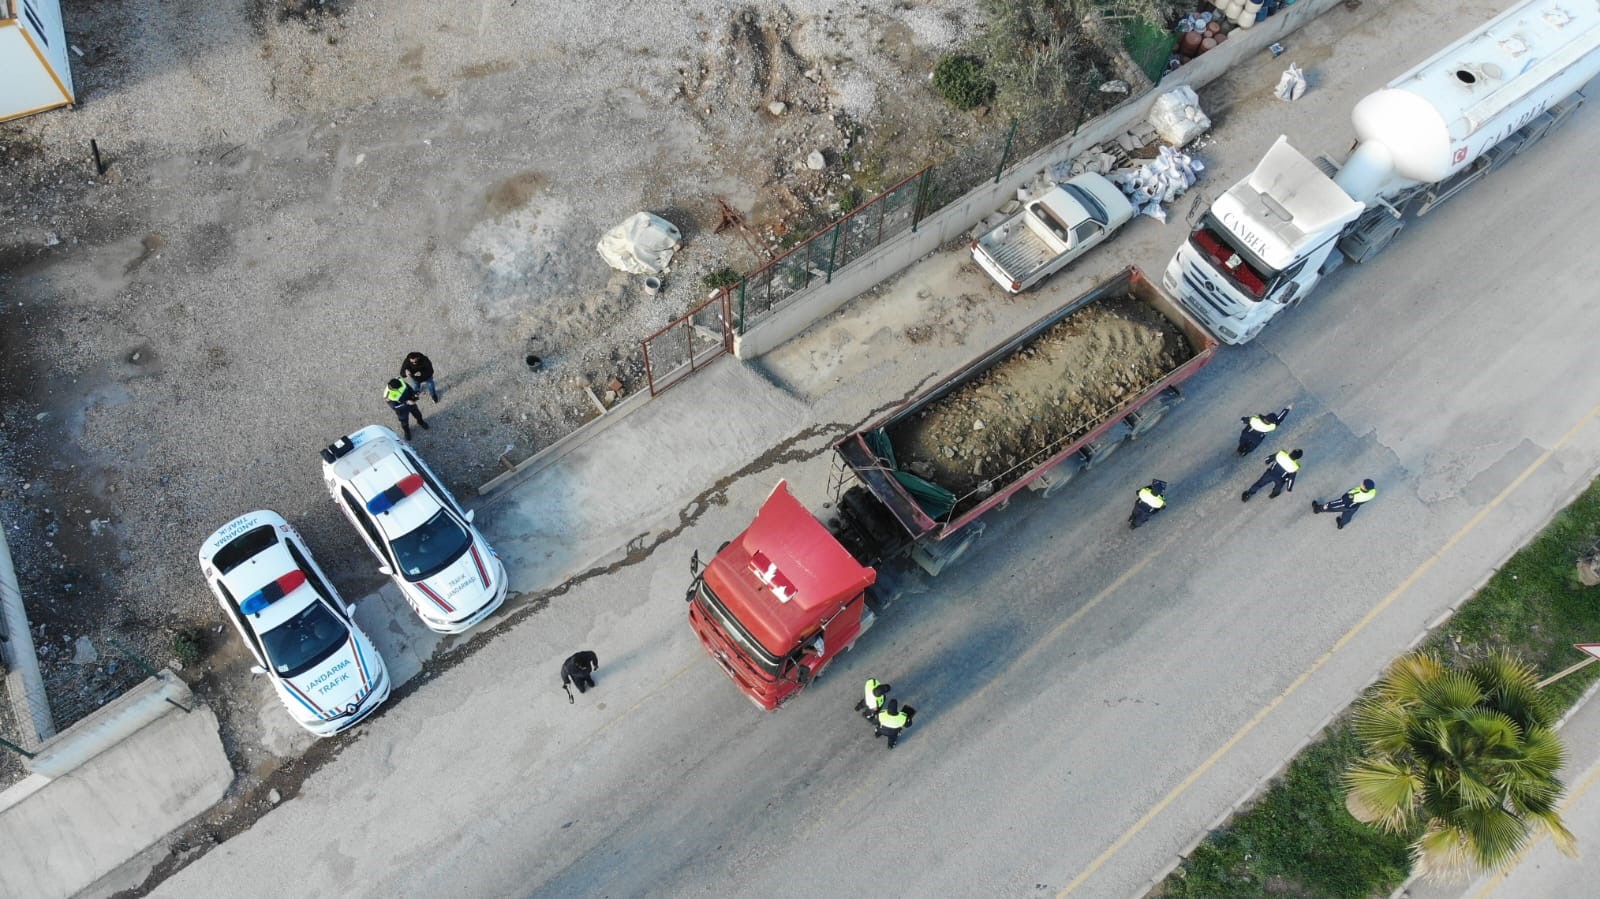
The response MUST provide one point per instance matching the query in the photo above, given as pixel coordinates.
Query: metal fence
(688, 343)
(815, 259)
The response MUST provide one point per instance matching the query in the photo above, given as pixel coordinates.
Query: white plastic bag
(1291, 85)
(642, 245)
(1177, 117)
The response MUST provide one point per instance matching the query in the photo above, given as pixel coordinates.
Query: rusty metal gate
(689, 343)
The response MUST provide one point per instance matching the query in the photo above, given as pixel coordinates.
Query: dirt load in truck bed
(1052, 391)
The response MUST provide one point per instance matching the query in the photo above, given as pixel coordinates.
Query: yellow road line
(1494, 883)
(1316, 666)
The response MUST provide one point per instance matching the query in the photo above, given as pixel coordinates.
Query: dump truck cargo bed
(1027, 406)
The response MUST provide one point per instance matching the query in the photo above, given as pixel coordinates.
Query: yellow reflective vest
(1151, 498)
(1261, 425)
(872, 701)
(896, 721)
(1359, 496)
(393, 394)
(1284, 462)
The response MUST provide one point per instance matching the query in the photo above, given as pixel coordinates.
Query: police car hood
(337, 685)
(465, 584)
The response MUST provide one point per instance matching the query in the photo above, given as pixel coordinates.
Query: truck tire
(934, 557)
(1056, 476)
(1101, 449)
(1150, 414)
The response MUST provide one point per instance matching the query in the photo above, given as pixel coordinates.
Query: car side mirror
(694, 564)
(350, 609)
(257, 669)
(471, 514)
(386, 570)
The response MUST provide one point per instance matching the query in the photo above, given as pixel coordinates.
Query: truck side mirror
(694, 564)
(803, 675)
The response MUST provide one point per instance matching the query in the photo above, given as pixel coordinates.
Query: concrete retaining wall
(108, 787)
(959, 217)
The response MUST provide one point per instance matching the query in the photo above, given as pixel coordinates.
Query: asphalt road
(1090, 700)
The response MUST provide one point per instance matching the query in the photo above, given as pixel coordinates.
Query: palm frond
(1382, 793)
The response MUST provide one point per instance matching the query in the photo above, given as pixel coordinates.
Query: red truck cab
(780, 601)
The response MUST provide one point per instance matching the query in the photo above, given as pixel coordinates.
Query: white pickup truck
(1049, 232)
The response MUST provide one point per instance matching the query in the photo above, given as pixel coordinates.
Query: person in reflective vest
(403, 400)
(1257, 427)
(872, 698)
(1350, 503)
(1150, 500)
(1281, 469)
(892, 720)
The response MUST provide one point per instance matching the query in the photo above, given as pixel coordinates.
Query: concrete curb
(551, 454)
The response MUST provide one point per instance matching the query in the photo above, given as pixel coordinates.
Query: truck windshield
(1242, 267)
(753, 651)
(304, 640)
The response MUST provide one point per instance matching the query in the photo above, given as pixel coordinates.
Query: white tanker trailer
(1462, 113)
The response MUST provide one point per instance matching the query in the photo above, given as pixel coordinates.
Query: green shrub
(961, 82)
(188, 646)
(722, 277)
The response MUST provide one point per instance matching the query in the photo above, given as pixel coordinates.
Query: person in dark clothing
(1257, 427)
(417, 370)
(1349, 504)
(1150, 500)
(403, 400)
(578, 670)
(892, 720)
(1281, 469)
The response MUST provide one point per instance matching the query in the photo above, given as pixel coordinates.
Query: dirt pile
(1054, 390)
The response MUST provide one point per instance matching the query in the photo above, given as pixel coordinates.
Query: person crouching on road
(892, 720)
(578, 670)
(1150, 500)
(1349, 504)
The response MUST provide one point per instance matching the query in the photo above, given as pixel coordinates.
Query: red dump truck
(783, 599)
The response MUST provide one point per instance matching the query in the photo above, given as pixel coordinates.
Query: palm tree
(1467, 755)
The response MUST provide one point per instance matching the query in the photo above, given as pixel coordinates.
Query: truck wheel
(1056, 476)
(1150, 414)
(936, 557)
(1101, 449)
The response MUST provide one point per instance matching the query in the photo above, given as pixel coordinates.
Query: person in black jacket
(417, 369)
(578, 670)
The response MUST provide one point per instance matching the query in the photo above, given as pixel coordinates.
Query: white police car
(420, 534)
(324, 669)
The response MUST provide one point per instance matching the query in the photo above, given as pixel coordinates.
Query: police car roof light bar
(271, 593)
(388, 499)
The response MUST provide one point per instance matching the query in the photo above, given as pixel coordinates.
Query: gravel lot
(299, 193)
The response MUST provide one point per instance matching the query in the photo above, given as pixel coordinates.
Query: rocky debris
(1054, 390)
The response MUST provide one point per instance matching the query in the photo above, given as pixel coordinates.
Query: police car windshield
(431, 547)
(304, 640)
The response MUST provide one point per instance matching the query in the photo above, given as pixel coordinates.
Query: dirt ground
(1054, 390)
(298, 193)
